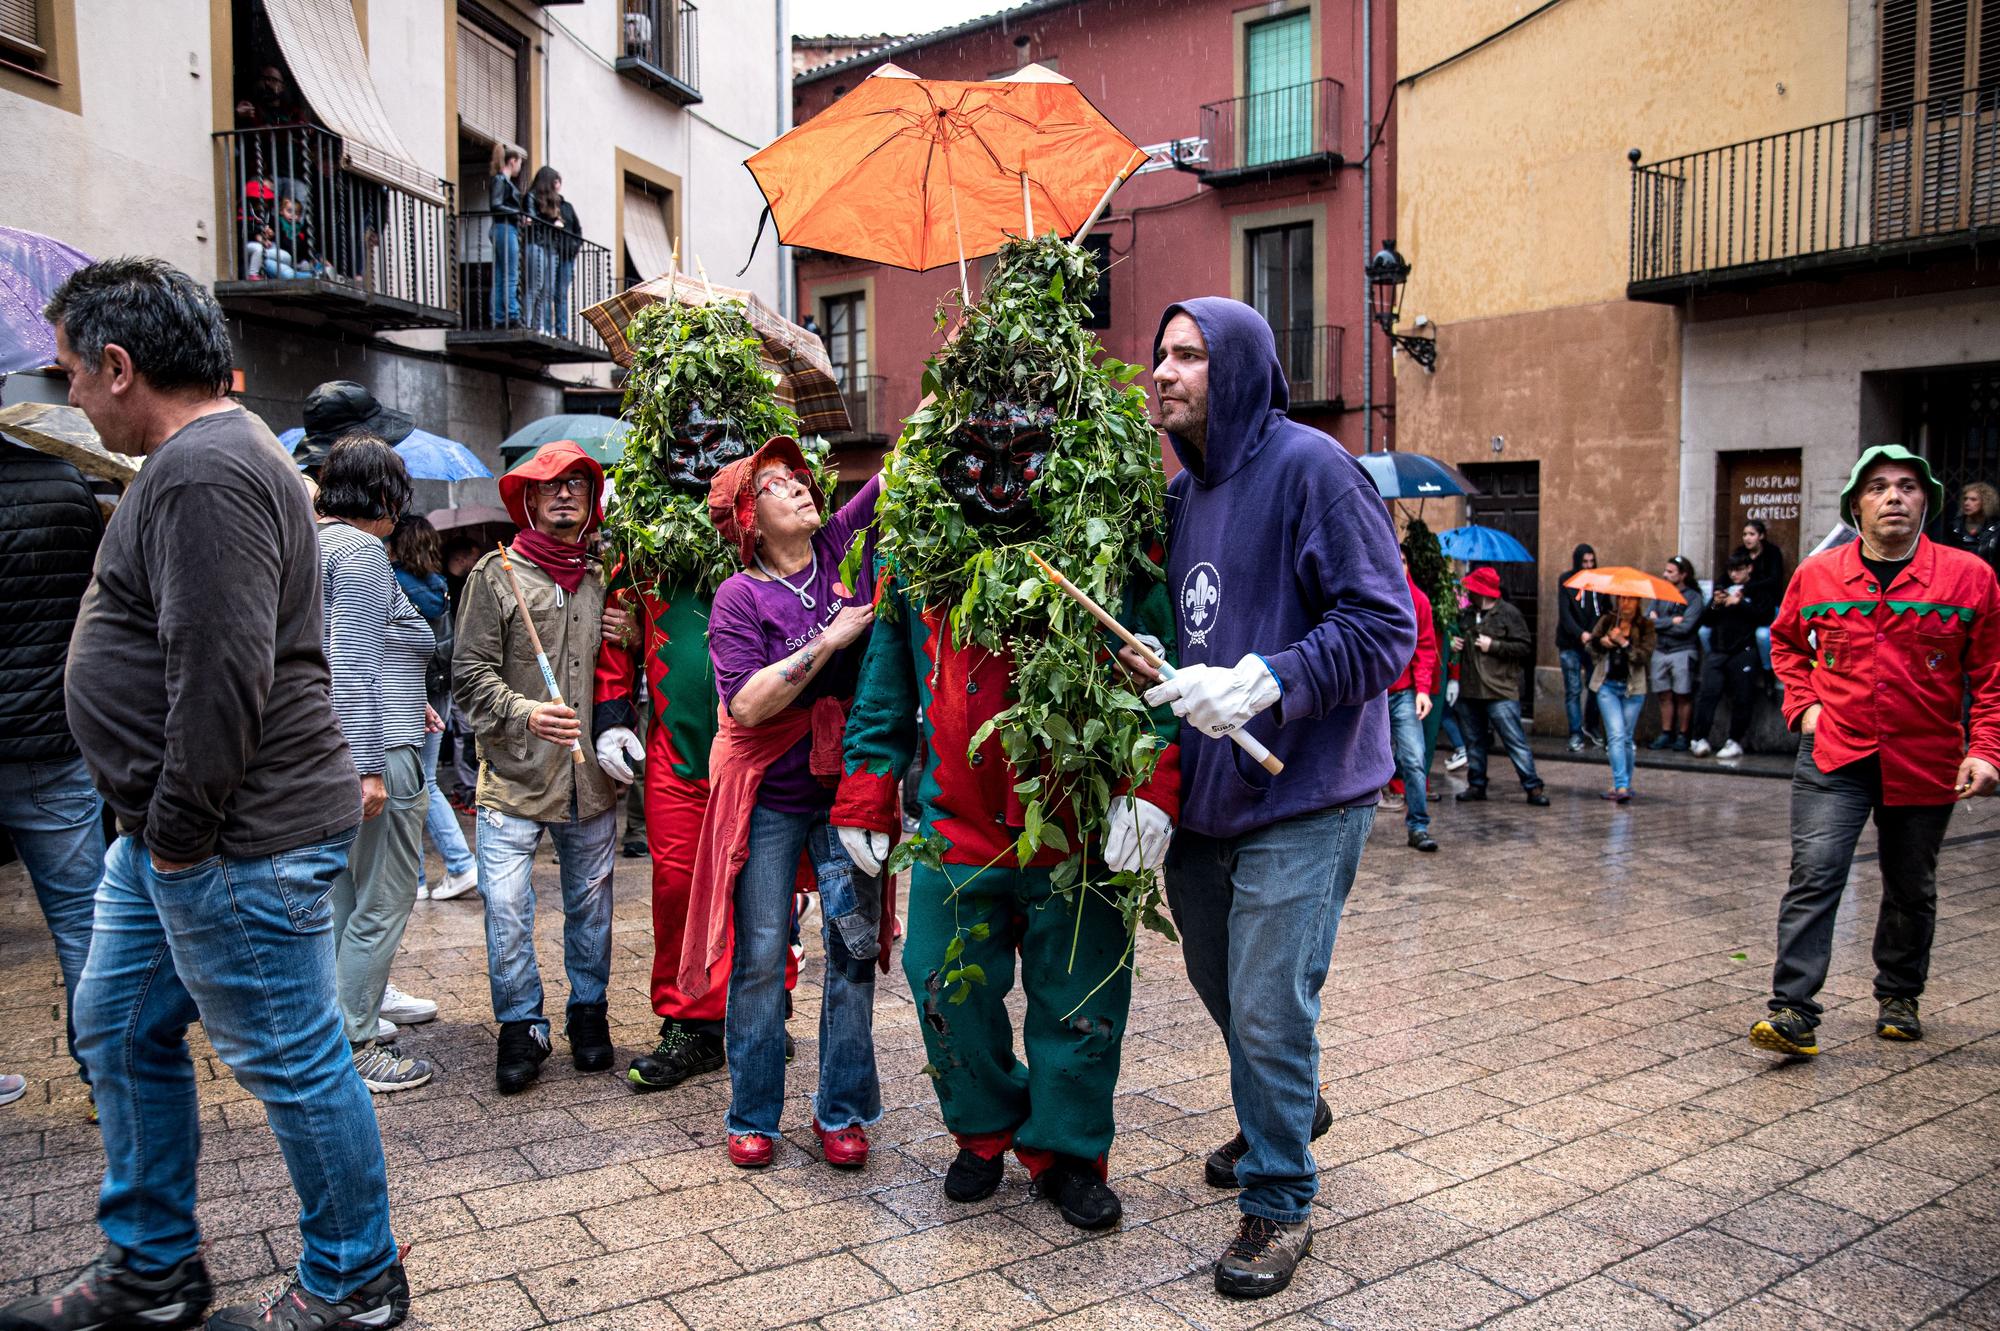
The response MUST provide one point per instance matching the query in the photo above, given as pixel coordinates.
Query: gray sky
(813, 18)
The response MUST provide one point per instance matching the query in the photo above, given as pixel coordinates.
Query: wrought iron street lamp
(1387, 272)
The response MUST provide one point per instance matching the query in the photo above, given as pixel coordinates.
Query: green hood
(1933, 492)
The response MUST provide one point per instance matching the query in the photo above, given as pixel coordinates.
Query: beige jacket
(498, 685)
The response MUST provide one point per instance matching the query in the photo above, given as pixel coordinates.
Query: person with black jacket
(1977, 527)
(1736, 610)
(504, 202)
(1576, 612)
(49, 530)
(1768, 571)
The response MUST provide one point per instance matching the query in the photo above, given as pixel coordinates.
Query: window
(489, 84)
(1281, 289)
(843, 322)
(21, 33)
(1100, 304)
(38, 52)
(1939, 95)
(1278, 91)
(1937, 49)
(649, 232)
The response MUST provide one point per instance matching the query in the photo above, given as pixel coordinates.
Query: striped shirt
(377, 644)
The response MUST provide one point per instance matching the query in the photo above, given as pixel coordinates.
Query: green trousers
(1060, 1100)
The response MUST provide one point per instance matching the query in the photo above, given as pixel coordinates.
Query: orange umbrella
(1621, 581)
(916, 172)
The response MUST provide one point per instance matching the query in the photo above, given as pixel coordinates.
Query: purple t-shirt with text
(756, 623)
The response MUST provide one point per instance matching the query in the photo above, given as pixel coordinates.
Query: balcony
(1905, 186)
(660, 47)
(863, 396)
(305, 237)
(1287, 131)
(1310, 357)
(549, 277)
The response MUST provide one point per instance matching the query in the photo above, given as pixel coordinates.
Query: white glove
(617, 748)
(1216, 701)
(867, 849)
(1138, 836)
(1451, 693)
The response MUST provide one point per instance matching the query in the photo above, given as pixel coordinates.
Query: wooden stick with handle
(535, 640)
(1244, 741)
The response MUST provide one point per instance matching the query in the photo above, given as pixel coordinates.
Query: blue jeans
(1575, 671)
(565, 270)
(1451, 730)
(506, 299)
(850, 1092)
(1481, 719)
(1257, 916)
(54, 815)
(506, 849)
(440, 820)
(1621, 720)
(1406, 736)
(541, 287)
(246, 947)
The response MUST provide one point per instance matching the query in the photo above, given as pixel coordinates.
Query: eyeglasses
(783, 487)
(576, 485)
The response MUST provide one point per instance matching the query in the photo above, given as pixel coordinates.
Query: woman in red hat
(786, 639)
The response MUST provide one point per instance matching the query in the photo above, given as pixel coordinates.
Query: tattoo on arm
(798, 667)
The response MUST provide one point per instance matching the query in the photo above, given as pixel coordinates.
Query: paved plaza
(1546, 1116)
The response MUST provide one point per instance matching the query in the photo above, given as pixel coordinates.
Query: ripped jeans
(849, 1093)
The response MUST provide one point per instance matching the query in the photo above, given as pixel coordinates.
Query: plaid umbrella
(806, 381)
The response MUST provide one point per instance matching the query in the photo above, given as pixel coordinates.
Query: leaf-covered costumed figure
(1033, 440)
(698, 398)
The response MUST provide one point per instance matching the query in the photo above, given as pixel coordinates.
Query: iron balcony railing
(1310, 357)
(659, 44)
(1266, 131)
(862, 394)
(294, 215)
(1919, 176)
(530, 276)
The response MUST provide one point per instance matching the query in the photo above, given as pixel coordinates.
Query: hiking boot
(1539, 798)
(383, 1301)
(384, 1068)
(1786, 1031)
(972, 1177)
(1897, 1020)
(406, 1009)
(1260, 1260)
(1470, 793)
(680, 1054)
(1456, 761)
(107, 1293)
(750, 1150)
(1082, 1198)
(1219, 1170)
(524, 1046)
(1420, 839)
(589, 1035)
(846, 1148)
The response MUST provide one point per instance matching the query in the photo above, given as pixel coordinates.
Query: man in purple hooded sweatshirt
(1294, 618)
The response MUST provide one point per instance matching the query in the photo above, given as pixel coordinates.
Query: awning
(647, 240)
(322, 46)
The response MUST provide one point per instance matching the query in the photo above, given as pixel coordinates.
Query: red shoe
(845, 1149)
(750, 1150)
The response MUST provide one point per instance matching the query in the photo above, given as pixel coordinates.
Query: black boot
(972, 1177)
(1219, 1170)
(524, 1045)
(589, 1035)
(683, 1052)
(1082, 1198)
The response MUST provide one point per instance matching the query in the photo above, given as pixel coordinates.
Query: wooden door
(1510, 499)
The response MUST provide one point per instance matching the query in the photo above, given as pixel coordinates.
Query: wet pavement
(1547, 1116)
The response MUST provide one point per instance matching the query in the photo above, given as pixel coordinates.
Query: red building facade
(1260, 110)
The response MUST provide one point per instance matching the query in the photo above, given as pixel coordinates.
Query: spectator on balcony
(270, 102)
(552, 247)
(281, 248)
(504, 202)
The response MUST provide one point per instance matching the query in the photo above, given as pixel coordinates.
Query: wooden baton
(535, 639)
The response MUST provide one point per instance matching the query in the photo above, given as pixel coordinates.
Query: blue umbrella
(426, 456)
(1414, 476)
(1483, 545)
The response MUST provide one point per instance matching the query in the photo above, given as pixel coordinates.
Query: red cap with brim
(545, 464)
(1482, 582)
(732, 495)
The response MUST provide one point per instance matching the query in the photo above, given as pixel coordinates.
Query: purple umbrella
(31, 268)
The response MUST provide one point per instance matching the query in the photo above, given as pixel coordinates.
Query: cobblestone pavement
(1533, 1041)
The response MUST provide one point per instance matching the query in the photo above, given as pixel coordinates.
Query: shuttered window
(649, 244)
(20, 29)
(488, 85)
(1937, 49)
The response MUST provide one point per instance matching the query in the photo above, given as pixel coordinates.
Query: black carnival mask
(995, 456)
(701, 448)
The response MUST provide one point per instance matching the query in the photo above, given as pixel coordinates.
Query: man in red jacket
(1875, 643)
(1409, 704)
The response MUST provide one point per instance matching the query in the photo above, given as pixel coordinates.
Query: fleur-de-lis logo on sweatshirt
(1201, 593)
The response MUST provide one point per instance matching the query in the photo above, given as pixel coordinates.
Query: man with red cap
(1495, 647)
(530, 780)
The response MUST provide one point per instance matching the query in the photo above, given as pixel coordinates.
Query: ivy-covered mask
(700, 448)
(993, 459)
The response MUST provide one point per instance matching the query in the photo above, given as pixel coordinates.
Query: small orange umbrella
(915, 172)
(1621, 581)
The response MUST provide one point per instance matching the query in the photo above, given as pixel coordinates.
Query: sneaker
(845, 1149)
(524, 1046)
(680, 1054)
(972, 1177)
(1079, 1196)
(1700, 748)
(1391, 803)
(589, 1034)
(750, 1150)
(385, 1068)
(1456, 761)
(383, 1301)
(1897, 1020)
(1420, 839)
(1260, 1260)
(385, 1031)
(1663, 740)
(107, 1293)
(456, 885)
(406, 1009)
(1219, 1170)
(634, 848)
(1787, 1031)
(1576, 744)
(1470, 794)
(1730, 750)
(12, 1087)
(423, 891)
(1594, 740)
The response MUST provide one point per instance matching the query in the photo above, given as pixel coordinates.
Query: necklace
(805, 597)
